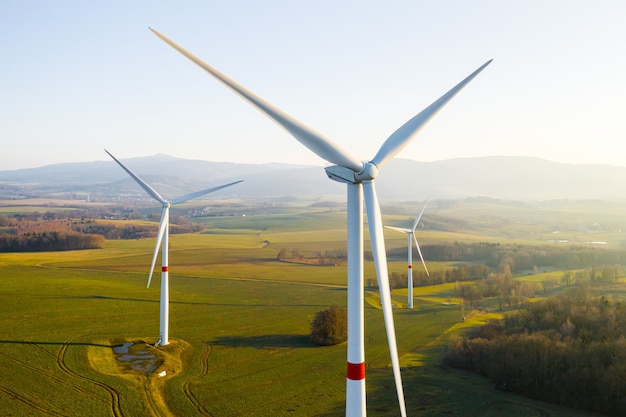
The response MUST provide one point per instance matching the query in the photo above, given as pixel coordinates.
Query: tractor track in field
(116, 408)
(41, 409)
(489, 404)
(153, 405)
(45, 374)
(484, 408)
(204, 363)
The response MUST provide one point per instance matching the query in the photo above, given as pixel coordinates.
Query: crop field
(239, 329)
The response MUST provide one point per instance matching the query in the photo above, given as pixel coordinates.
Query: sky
(77, 77)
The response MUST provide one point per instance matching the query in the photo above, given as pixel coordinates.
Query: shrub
(330, 326)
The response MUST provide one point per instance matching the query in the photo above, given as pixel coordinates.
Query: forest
(491, 267)
(50, 241)
(485, 260)
(79, 229)
(569, 350)
(521, 257)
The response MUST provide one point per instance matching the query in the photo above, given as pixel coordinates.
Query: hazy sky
(80, 76)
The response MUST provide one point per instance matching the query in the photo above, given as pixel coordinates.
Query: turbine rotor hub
(369, 172)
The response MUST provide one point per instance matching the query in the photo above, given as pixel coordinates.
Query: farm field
(239, 325)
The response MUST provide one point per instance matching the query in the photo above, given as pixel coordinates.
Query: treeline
(469, 272)
(79, 229)
(111, 231)
(519, 257)
(50, 241)
(115, 231)
(328, 257)
(569, 350)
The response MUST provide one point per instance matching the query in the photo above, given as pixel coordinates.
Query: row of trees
(475, 282)
(484, 258)
(52, 231)
(501, 286)
(519, 257)
(468, 272)
(569, 350)
(328, 257)
(50, 241)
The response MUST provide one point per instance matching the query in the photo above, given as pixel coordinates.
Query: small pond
(137, 356)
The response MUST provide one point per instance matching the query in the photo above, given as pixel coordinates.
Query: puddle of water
(136, 357)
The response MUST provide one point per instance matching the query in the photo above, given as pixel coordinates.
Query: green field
(239, 324)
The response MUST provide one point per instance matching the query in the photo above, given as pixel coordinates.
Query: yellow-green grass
(295, 220)
(47, 202)
(13, 210)
(248, 348)
(72, 310)
(239, 324)
(43, 205)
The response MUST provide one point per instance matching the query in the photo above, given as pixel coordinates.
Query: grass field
(239, 324)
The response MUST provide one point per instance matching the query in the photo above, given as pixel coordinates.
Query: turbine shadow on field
(271, 341)
(102, 297)
(144, 300)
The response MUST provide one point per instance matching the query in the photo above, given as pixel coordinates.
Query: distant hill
(502, 177)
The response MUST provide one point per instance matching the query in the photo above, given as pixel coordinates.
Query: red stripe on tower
(356, 371)
(164, 269)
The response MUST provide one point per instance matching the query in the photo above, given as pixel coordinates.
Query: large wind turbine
(162, 239)
(411, 237)
(359, 177)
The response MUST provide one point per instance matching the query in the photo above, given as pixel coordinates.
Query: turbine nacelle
(348, 176)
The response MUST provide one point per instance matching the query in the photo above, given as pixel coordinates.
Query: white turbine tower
(411, 237)
(359, 177)
(162, 239)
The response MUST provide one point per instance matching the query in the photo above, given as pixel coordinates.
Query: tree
(549, 283)
(471, 294)
(566, 279)
(569, 350)
(330, 326)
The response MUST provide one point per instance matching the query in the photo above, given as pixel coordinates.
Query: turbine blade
(139, 181)
(420, 254)
(398, 229)
(203, 192)
(313, 140)
(374, 221)
(405, 134)
(165, 220)
(417, 220)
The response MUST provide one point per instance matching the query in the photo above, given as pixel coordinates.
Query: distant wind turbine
(162, 239)
(411, 237)
(359, 177)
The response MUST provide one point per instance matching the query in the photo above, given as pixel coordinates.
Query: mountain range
(500, 177)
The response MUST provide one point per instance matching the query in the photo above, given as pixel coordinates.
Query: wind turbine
(162, 240)
(359, 177)
(411, 234)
